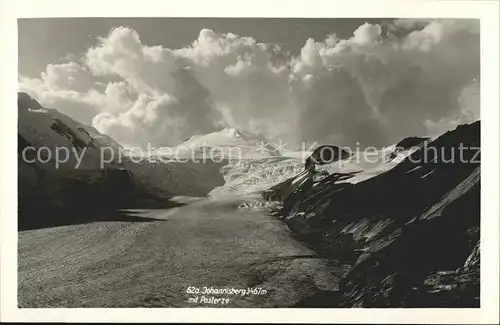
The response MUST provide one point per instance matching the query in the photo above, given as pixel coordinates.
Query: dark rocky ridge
(407, 233)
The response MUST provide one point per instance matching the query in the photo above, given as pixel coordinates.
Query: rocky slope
(410, 233)
(92, 172)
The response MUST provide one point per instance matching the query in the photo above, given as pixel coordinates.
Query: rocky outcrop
(407, 144)
(326, 154)
(407, 233)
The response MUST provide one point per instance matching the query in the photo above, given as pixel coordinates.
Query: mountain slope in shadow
(409, 234)
(70, 190)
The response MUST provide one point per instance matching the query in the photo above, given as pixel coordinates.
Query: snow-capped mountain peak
(233, 132)
(225, 137)
(234, 139)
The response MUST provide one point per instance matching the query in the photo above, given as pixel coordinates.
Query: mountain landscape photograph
(248, 163)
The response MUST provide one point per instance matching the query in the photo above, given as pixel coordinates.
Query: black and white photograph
(249, 162)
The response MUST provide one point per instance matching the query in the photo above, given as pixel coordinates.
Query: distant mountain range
(406, 222)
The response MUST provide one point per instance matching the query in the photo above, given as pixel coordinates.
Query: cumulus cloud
(159, 99)
(67, 87)
(388, 87)
(408, 77)
(469, 102)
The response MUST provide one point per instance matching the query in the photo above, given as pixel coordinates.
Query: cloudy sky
(338, 81)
